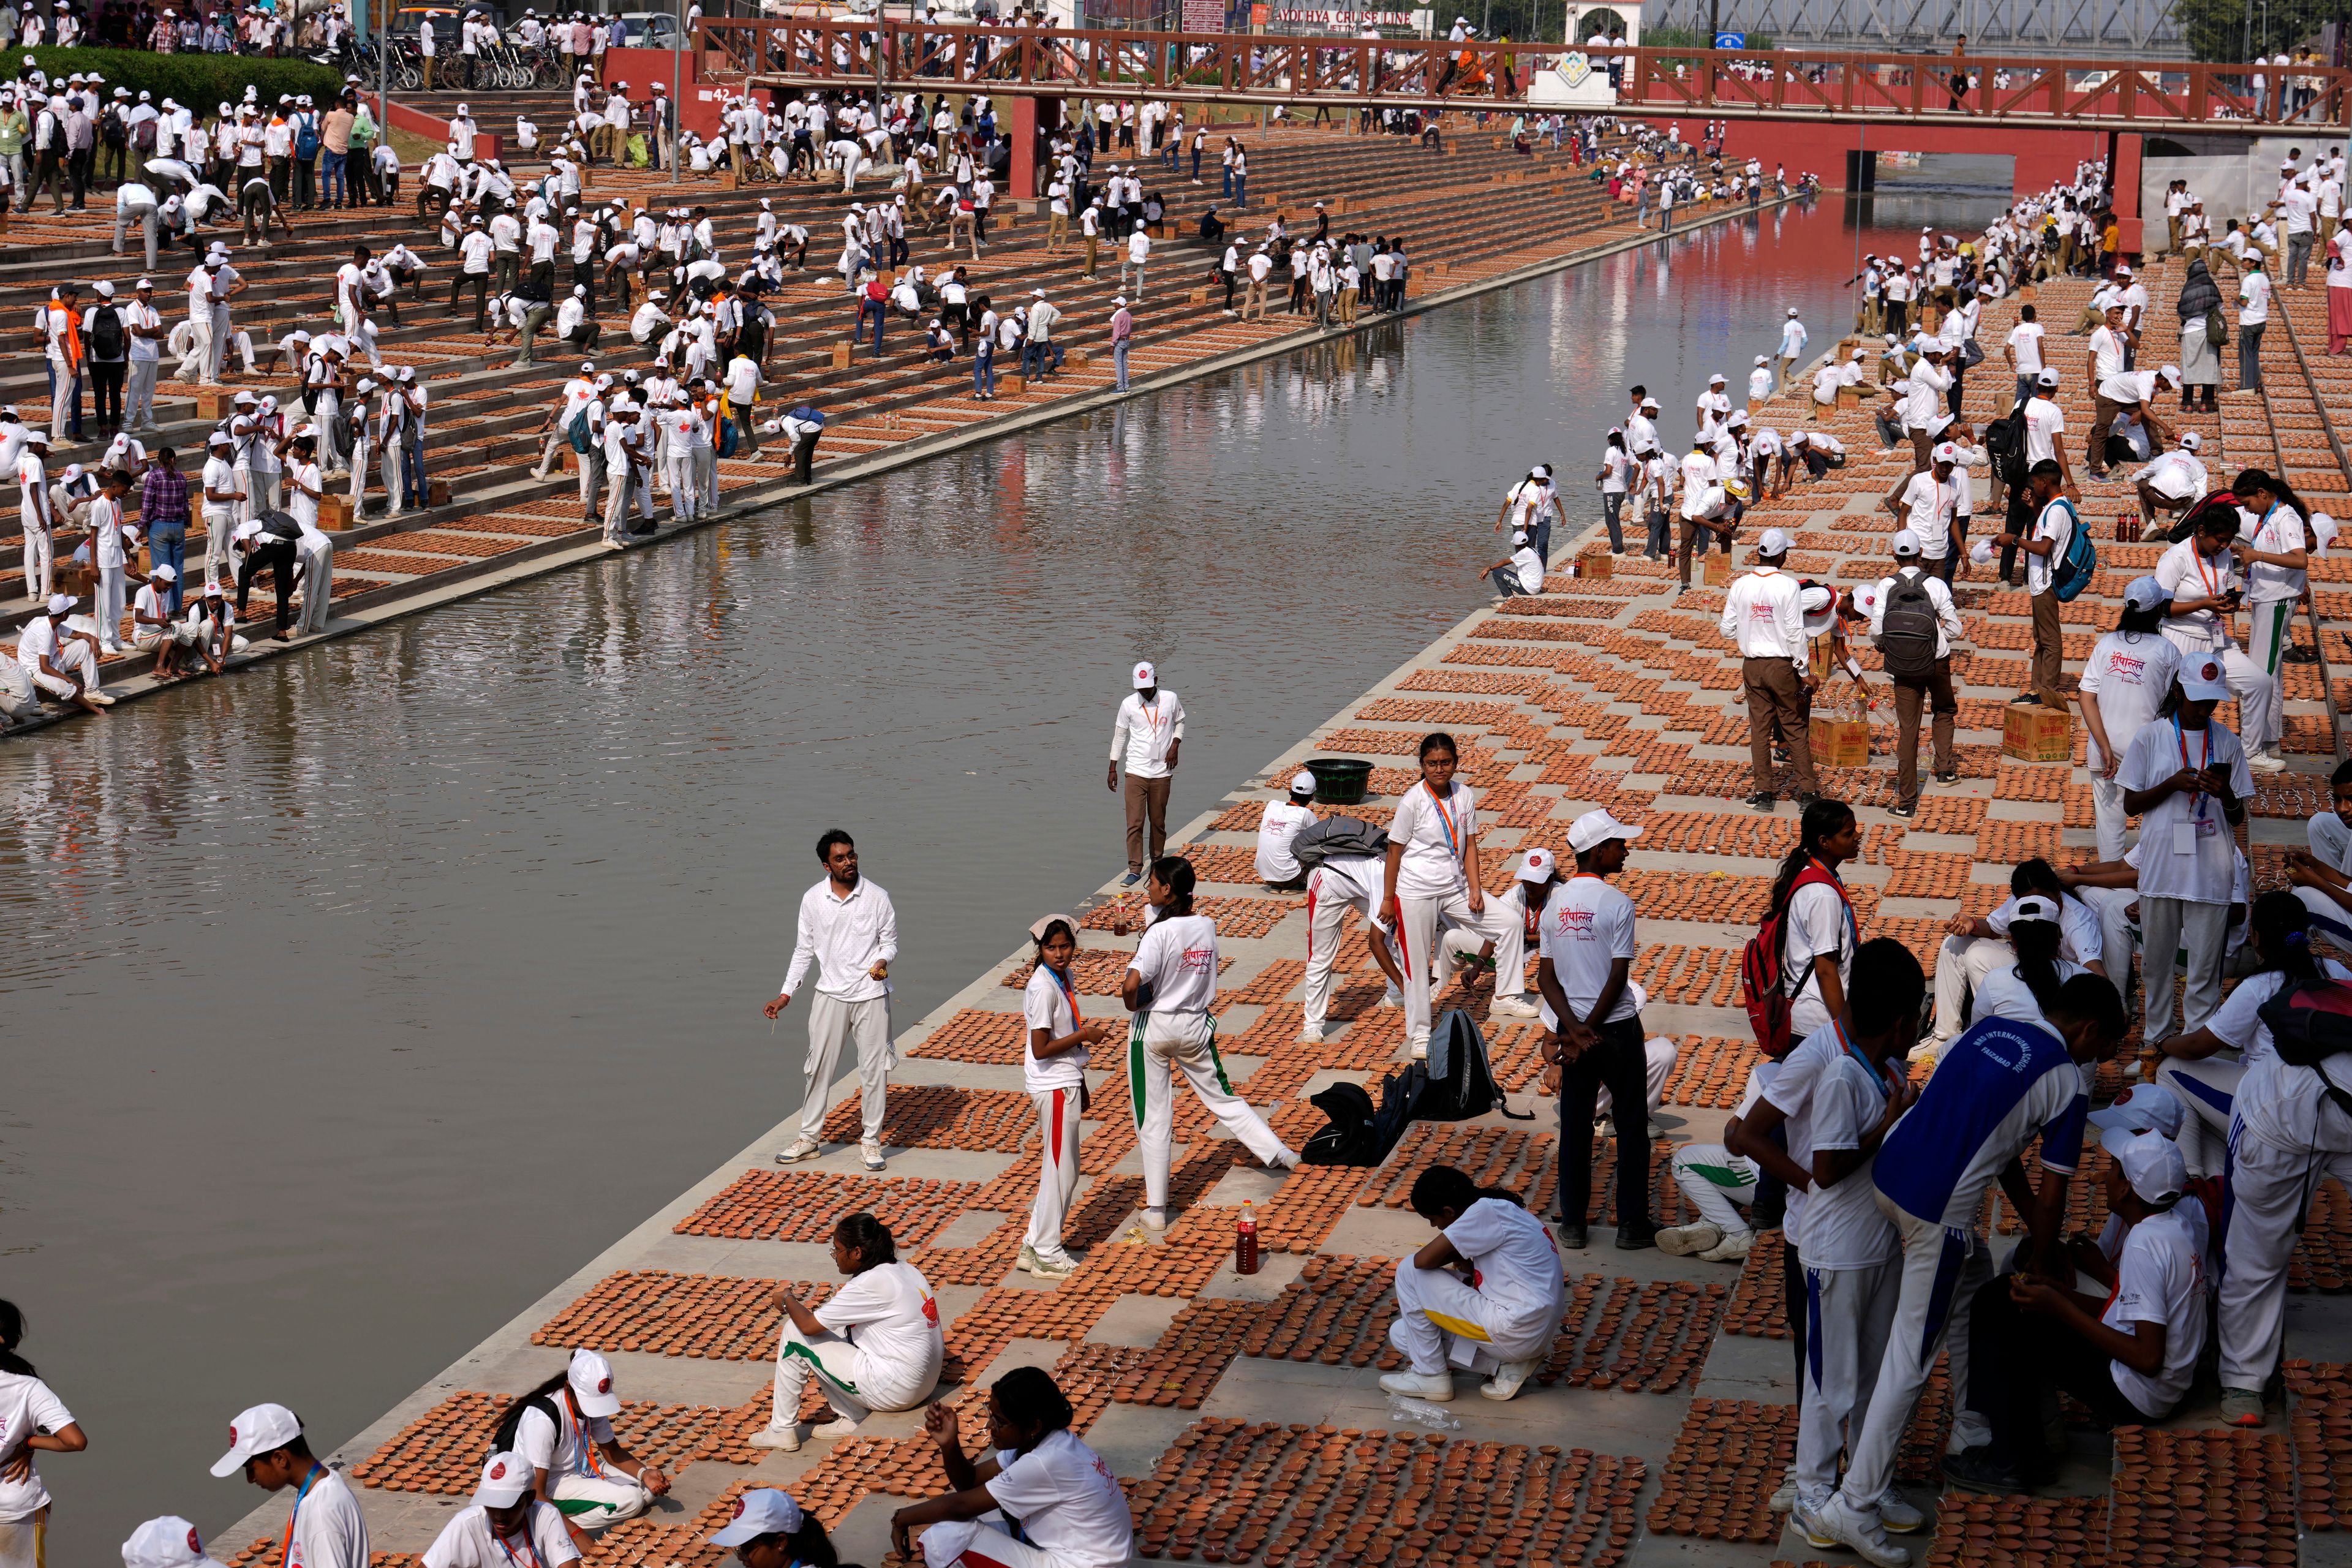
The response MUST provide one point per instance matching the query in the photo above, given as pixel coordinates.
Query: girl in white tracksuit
(1434, 880)
(1054, 1071)
(1169, 988)
(1501, 1320)
(875, 1343)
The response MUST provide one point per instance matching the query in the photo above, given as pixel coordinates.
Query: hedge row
(199, 82)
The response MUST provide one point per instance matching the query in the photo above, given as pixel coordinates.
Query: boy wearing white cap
(61, 662)
(2045, 545)
(1522, 574)
(1585, 947)
(170, 1542)
(849, 928)
(2129, 1356)
(1762, 618)
(563, 1433)
(2124, 681)
(2185, 776)
(327, 1529)
(771, 1531)
(1793, 338)
(1279, 825)
(507, 1524)
(1914, 623)
(1147, 733)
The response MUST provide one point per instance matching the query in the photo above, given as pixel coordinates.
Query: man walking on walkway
(1763, 619)
(1148, 735)
(849, 930)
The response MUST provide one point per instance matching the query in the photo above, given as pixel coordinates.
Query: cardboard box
(1838, 742)
(1596, 563)
(213, 402)
(1015, 382)
(437, 492)
(335, 511)
(2037, 734)
(841, 355)
(1849, 398)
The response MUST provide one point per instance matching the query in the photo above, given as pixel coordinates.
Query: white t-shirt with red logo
(1587, 925)
(1066, 1501)
(888, 1313)
(1178, 958)
(465, 1541)
(328, 1531)
(2127, 674)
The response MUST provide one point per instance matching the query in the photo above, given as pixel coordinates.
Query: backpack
(503, 1440)
(2071, 572)
(2310, 1021)
(1349, 1137)
(1318, 841)
(306, 137)
(112, 131)
(1467, 1090)
(142, 136)
(1907, 636)
(1763, 988)
(2005, 440)
(106, 335)
(577, 434)
(2217, 327)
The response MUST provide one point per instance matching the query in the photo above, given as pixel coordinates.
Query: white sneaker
(873, 1153)
(1436, 1387)
(1512, 1007)
(782, 1439)
(1896, 1513)
(1682, 1240)
(1046, 1267)
(838, 1427)
(2266, 762)
(1312, 1029)
(100, 697)
(1784, 1496)
(1285, 1159)
(1507, 1380)
(1155, 1219)
(799, 1149)
(1838, 1522)
(1733, 1249)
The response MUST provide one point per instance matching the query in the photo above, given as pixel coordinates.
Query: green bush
(199, 82)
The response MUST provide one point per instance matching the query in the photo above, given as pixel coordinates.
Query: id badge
(2184, 839)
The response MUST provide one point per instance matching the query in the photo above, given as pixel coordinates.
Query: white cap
(170, 1542)
(1539, 864)
(2151, 1163)
(1759, 360)
(1302, 783)
(2201, 681)
(1906, 542)
(266, 1427)
(1793, 310)
(1715, 380)
(2047, 378)
(59, 604)
(766, 1511)
(249, 528)
(1981, 552)
(1774, 542)
(2035, 907)
(165, 570)
(507, 1479)
(2170, 375)
(1945, 452)
(1519, 538)
(2143, 1108)
(1865, 599)
(591, 1377)
(2190, 441)
(2145, 592)
(1145, 674)
(1596, 827)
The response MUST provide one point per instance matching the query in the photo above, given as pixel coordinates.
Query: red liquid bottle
(1246, 1240)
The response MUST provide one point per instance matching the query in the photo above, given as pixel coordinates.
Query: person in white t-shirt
(32, 1420)
(1837, 1095)
(506, 1525)
(1280, 823)
(1500, 1321)
(1434, 880)
(2124, 680)
(2022, 350)
(771, 1531)
(1717, 1184)
(1054, 1042)
(1585, 944)
(2254, 316)
(1169, 986)
(874, 1344)
(1342, 882)
(1070, 1509)
(2185, 777)
(563, 1430)
(2045, 547)
(2272, 549)
(266, 1444)
(1523, 573)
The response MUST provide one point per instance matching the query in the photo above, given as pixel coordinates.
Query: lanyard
(1152, 716)
(2214, 588)
(529, 1552)
(1062, 983)
(286, 1547)
(1446, 822)
(2204, 760)
(1846, 1043)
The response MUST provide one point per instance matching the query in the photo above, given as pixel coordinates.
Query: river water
(354, 999)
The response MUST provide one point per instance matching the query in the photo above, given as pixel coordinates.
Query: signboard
(1572, 81)
(1348, 21)
(1731, 40)
(1205, 16)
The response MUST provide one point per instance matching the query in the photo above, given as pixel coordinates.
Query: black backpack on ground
(1906, 638)
(1468, 1088)
(1320, 841)
(1357, 1134)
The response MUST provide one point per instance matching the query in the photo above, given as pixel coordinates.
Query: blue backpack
(2072, 571)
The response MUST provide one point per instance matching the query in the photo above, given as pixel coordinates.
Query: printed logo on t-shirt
(1199, 960)
(1576, 923)
(2132, 670)
(194, 1545)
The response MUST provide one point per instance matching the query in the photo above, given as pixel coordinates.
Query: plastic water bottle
(1246, 1240)
(1421, 1413)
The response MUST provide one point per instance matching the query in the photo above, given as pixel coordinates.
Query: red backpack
(1762, 982)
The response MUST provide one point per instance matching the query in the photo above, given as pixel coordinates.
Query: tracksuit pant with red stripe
(1159, 1045)
(1058, 1171)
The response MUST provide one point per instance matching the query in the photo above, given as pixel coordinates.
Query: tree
(2230, 31)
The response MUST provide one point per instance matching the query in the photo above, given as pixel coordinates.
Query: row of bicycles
(506, 66)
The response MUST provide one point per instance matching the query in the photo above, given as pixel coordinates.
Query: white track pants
(318, 558)
(2169, 926)
(1327, 903)
(599, 1502)
(2118, 938)
(1941, 1268)
(832, 1022)
(2270, 1188)
(983, 1543)
(2107, 817)
(2270, 629)
(1443, 1322)
(1659, 1056)
(1964, 963)
(1057, 1171)
(38, 565)
(75, 658)
(2208, 1086)
(1848, 1312)
(1158, 1046)
(1422, 919)
(2331, 841)
(111, 581)
(1717, 1182)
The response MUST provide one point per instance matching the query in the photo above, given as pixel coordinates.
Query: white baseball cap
(2146, 593)
(60, 604)
(2035, 907)
(2201, 681)
(1597, 826)
(165, 570)
(2151, 1163)
(2047, 378)
(2143, 1108)
(1774, 542)
(2190, 441)
(1906, 542)
(1302, 783)
(170, 1542)
(764, 1511)
(1981, 552)
(1865, 599)
(507, 1479)
(591, 1377)
(1539, 863)
(1945, 452)
(1145, 674)
(262, 1429)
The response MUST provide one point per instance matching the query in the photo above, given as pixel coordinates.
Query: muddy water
(353, 1000)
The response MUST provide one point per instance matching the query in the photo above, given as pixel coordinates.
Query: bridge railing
(1751, 84)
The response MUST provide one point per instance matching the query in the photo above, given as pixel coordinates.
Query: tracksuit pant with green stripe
(850, 1380)
(1159, 1045)
(2270, 629)
(1719, 1184)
